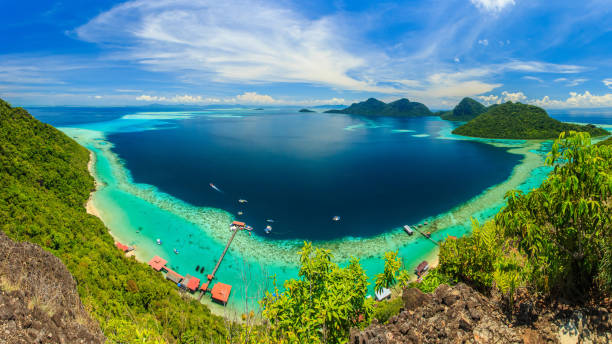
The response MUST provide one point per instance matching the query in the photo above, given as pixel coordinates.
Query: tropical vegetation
(520, 121)
(44, 184)
(374, 107)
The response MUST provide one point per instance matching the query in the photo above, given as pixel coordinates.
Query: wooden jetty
(236, 226)
(426, 235)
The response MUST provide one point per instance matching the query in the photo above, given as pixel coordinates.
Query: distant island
(306, 110)
(258, 109)
(466, 110)
(374, 107)
(520, 121)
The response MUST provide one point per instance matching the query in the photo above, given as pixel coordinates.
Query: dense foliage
(322, 305)
(374, 107)
(44, 184)
(520, 121)
(554, 240)
(466, 110)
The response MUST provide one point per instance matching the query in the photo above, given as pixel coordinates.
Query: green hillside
(520, 121)
(374, 107)
(466, 110)
(44, 184)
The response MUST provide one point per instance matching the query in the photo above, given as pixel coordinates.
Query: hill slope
(466, 110)
(44, 184)
(374, 107)
(520, 121)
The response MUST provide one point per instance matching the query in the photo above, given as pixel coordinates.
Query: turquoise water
(137, 214)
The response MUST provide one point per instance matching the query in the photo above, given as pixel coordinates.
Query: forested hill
(44, 184)
(466, 110)
(374, 107)
(520, 121)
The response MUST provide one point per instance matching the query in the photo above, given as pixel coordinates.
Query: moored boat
(408, 230)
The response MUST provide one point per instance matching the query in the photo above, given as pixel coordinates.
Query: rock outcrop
(456, 314)
(39, 302)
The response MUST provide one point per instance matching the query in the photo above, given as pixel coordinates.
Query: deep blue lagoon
(300, 170)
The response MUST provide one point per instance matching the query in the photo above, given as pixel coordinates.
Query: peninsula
(520, 121)
(374, 107)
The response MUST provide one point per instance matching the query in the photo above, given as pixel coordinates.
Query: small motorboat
(270, 220)
(243, 200)
(240, 213)
(336, 218)
(408, 230)
(268, 229)
(248, 228)
(176, 251)
(159, 242)
(214, 187)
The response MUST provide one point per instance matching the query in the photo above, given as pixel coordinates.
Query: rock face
(448, 315)
(39, 302)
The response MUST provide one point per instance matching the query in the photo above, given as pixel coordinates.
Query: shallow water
(138, 213)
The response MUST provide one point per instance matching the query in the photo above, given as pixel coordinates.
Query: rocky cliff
(460, 314)
(39, 302)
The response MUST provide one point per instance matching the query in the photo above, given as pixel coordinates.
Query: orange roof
(221, 292)
(452, 237)
(210, 277)
(193, 283)
(157, 263)
(238, 223)
(121, 246)
(204, 286)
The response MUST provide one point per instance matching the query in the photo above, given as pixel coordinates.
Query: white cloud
(560, 79)
(534, 78)
(484, 42)
(607, 82)
(513, 97)
(98, 97)
(232, 41)
(490, 99)
(577, 100)
(254, 98)
(246, 98)
(457, 60)
(571, 82)
(492, 5)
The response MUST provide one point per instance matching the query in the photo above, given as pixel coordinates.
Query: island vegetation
(374, 107)
(44, 184)
(465, 111)
(306, 110)
(520, 121)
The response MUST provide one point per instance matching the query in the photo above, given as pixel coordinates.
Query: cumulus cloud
(246, 98)
(484, 42)
(513, 97)
(575, 100)
(607, 82)
(254, 98)
(492, 5)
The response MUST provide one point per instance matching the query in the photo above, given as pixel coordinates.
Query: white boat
(240, 213)
(336, 218)
(408, 230)
(268, 229)
(159, 241)
(270, 220)
(176, 251)
(243, 201)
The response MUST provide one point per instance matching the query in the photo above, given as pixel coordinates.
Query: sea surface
(296, 171)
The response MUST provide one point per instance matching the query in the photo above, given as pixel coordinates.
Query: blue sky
(556, 54)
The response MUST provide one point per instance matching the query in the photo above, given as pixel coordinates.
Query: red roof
(209, 276)
(204, 286)
(121, 246)
(238, 223)
(221, 292)
(157, 263)
(193, 283)
(452, 237)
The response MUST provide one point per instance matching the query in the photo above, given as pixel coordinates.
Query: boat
(176, 251)
(270, 220)
(248, 228)
(336, 218)
(240, 213)
(268, 229)
(408, 230)
(243, 201)
(214, 187)
(159, 242)
(427, 235)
